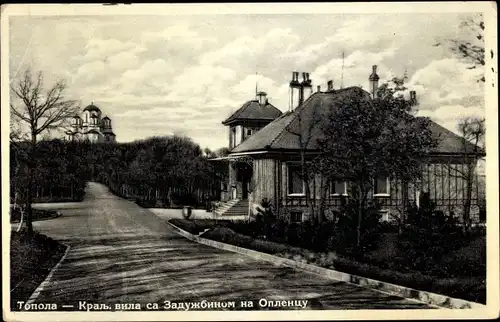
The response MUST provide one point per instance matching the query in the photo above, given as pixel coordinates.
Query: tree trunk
(321, 210)
(29, 197)
(358, 228)
(361, 201)
(468, 196)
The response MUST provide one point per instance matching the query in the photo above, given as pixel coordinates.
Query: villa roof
(280, 134)
(252, 110)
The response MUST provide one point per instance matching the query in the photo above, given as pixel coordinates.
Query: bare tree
(470, 49)
(305, 129)
(37, 111)
(472, 132)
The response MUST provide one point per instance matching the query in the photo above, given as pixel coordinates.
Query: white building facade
(91, 126)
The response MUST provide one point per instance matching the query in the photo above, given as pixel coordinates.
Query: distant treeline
(60, 171)
(166, 171)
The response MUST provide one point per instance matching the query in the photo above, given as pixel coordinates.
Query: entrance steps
(235, 207)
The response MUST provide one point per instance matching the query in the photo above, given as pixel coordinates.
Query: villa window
(295, 216)
(381, 187)
(233, 137)
(295, 183)
(338, 188)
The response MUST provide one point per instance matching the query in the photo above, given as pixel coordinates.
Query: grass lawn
(469, 285)
(38, 214)
(30, 263)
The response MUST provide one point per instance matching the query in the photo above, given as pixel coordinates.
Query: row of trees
(59, 171)
(170, 170)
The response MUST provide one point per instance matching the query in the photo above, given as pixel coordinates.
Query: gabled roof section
(451, 143)
(309, 118)
(252, 110)
(281, 134)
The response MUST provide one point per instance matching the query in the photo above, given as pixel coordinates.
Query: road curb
(433, 299)
(47, 280)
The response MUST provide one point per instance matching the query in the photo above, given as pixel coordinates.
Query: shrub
(184, 199)
(428, 234)
(187, 225)
(227, 235)
(146, 203)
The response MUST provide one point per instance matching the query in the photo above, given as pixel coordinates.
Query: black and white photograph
(265, 161)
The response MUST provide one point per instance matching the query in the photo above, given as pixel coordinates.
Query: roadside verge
(438, 300)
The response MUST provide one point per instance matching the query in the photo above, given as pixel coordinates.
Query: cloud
(251, 54)
(444, 81)
(450, 115)
(180, 35)
(357, 68)
(187, 74)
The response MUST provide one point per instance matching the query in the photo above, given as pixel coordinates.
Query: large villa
(264, 156)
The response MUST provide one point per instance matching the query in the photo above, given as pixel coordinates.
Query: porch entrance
(244, 175)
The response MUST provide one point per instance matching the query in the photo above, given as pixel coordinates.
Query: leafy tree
(38, 111)
(367, 138)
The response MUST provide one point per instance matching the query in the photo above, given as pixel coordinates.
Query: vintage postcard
(271, 161)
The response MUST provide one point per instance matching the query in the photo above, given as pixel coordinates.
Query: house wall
(263, 180)
(443, 181)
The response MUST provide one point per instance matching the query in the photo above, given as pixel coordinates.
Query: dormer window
(249, 132)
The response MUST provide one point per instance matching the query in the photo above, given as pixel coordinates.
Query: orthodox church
(91, 126)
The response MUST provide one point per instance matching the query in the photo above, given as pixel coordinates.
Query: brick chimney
(295, 91)
(329, 85)
(262, 98)
(306, 88)
(374, 81)
(413, 98)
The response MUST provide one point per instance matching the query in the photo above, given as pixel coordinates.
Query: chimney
(261, 98)
(413, 98)
(374, 81)
(306, 88)
(319, 88)
(295, 91)
(330, 85)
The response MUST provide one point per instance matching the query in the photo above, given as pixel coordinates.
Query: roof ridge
(301, 107)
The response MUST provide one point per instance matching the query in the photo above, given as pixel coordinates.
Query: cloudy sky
(160, 75)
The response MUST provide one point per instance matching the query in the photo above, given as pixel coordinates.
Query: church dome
(92, 107)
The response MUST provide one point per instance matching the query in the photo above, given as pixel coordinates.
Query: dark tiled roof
(91, 107)
(449, 142)
(252, 110)
(279, 134)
